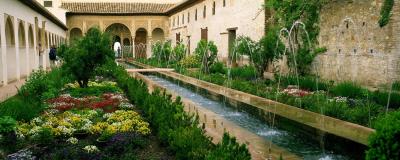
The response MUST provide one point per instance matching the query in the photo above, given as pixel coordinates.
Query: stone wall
(358, 49)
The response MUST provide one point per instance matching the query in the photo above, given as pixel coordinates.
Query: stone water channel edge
(215, 125)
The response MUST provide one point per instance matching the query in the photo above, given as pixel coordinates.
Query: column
(17, 55)
(84, 30)
(35, 44)
(28, 64)
(148, 46)
(3, 49)
(133, 46)
(149, 39)
(43, 42)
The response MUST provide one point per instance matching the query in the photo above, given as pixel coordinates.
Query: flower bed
(86, 127)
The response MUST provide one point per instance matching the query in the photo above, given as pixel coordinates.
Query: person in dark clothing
(53, 56)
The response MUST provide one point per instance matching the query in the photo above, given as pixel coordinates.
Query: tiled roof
(116, 8)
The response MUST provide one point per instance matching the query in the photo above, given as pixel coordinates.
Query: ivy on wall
(289, 11)
(386, 12)
(286, 13)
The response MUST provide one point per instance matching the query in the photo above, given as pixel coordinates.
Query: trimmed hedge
(173, 126)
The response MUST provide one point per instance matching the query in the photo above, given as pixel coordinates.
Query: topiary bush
(385, 142)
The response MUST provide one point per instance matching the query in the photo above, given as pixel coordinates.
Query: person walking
(52, 56)
(119, 52)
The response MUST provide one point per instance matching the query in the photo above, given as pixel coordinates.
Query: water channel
(290, 141)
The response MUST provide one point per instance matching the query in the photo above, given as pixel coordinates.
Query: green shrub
(348, 89)
(191, 61)
(7, 124)
(207, 53)
(396, 86)
(263, 52)
(168, 119)
(162, 51)
(42, 85)
(383, 97)
(305, 82)
(93, 91)
(217, 67)
(228, 148)
(385, 12)
(385, 142)
(21, 109)
(179, 52)
(245, 72)
(363, 114)
(83, 58)
(302, 60)
(215, 78)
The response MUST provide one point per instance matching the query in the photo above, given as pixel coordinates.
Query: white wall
(245, 15)
(11, 68)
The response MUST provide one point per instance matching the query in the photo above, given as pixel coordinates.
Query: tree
(207, 53)
(263, 52)
(85, 55)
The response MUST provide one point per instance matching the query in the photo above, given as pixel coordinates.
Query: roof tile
(120, 8)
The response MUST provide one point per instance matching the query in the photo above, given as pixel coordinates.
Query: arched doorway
(74, 34)
(140, 43)
(22, 50)
(10, 52)
(117, 47)
(119, 32)
(32, 55)
(158, 35)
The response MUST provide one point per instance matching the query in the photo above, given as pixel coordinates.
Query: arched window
(224, 3)
(183, 18)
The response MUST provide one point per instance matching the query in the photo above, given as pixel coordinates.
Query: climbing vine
(286, 13)
(289, 11)
(386, 12)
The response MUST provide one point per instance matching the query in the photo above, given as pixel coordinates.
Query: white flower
(72, 140)
(125, 105)
(91, 149)
(107, 115)
(65, 130)
(34, 131)
(37, 120)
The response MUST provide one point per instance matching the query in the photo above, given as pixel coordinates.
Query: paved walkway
(10, 89)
